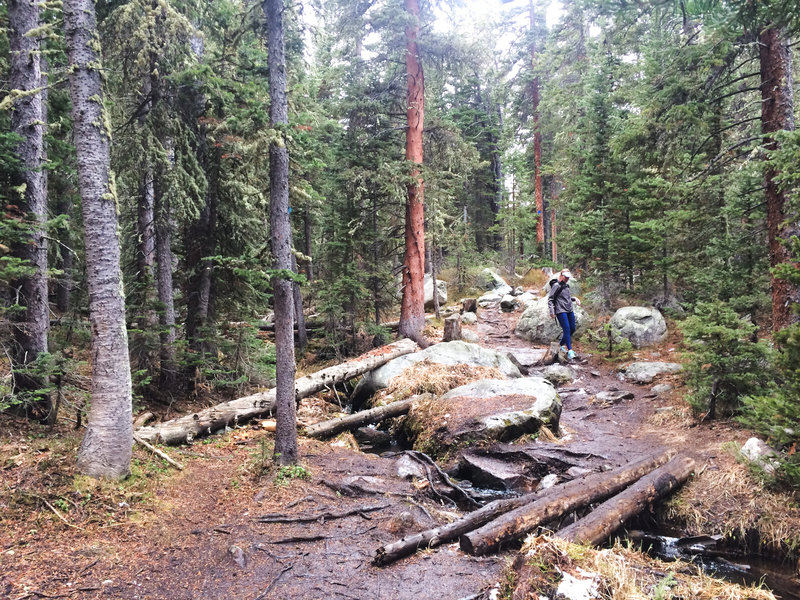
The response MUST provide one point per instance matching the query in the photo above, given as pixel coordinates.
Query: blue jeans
(567, 322)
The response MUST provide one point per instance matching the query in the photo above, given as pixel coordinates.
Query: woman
(559, 300)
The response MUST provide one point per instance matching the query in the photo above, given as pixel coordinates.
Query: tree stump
(470, 305)
(452, 328)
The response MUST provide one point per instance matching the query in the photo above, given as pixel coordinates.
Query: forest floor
(197, 533)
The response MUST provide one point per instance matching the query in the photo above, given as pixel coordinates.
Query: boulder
(441, 287)
(490, 472)
(470, 336)
(509, 303)
(517, 291)
(490, 298)
(758, 453)
(646, 372)
(446, 353)
(490, 280)
(484, 411)
(527, 357)
(536, 325)
(526, 298)
(642, 325)
(613, 396)
(558, 374)
(661, 389)
(469, 318)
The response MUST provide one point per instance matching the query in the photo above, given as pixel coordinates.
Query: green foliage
(724, 363)
(287, 473)
(604, 339)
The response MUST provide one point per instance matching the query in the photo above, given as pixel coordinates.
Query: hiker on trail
(559, 300)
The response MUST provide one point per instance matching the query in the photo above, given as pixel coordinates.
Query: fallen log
(365, 417)
(440, 535)
(186, 428)
(604, 520)
(572, 495)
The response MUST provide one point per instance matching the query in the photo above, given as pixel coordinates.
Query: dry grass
(735, 503)
(620, 572)
(534, 279)
(431, 378)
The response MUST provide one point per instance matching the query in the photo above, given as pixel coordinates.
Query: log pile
(505, 521)
(207, 421)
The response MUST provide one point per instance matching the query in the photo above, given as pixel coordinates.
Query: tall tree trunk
(28, 117)
(166, 316)
(106, 447)
(281, 234)
(412, 307)
(307, 242)
(299, 317)
(777, 113)
(537, 139)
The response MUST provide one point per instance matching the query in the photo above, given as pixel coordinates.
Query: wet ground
(204, 536)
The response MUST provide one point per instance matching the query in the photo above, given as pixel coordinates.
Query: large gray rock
(760, 454)
(509, 303)
(490, 298)
(470, 336)
(446, 353)
(536, 325)
(646, 372)
(490, 280)
(526, 298)
(469, 318)
(472, 410)
(642, 325)
(441, 287)
(558, 374)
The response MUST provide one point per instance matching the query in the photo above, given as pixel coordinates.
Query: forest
(217, 215)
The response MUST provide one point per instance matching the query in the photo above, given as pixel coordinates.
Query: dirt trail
(204, 540)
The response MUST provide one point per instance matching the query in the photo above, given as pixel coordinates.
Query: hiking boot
(571, 354)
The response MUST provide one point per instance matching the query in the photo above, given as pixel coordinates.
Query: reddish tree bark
(777, 114)
(412, 309)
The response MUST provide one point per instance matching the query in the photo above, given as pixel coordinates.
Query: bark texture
(106, 447)
(28, 118)
(168, 364)
(412, 306)
(365, 417)
(604, 520)
(537, 139)
(573, 495)
(281, 235)
(777, 113)
(236, 411)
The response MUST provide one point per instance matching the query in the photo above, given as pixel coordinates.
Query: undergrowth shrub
(724, 363)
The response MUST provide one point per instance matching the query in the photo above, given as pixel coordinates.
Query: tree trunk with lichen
(106, 447)
(412, 306)
(286, 452)
(32, 323)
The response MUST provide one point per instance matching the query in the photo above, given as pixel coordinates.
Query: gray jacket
(563, 302)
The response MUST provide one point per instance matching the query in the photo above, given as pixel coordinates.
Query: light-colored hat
(566, 273)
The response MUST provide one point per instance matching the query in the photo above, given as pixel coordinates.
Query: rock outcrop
(642, 325)
(646, 372)
(441, 287)
(446, 353)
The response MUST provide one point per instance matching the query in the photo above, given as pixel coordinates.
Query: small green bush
(724, 363)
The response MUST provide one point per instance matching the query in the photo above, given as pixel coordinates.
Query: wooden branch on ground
(440, 535)
(457, 495)
(604, 520)
(206, 421)
(157, 452)
(322, 516)
(571, 496)
(365, 417)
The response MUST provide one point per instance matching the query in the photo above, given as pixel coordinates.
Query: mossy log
(472, 521)
(207, 421)
(564, 499)
(604, 520)
(365, 417)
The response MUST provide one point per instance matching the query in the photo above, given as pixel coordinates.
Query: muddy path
(204, 537)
